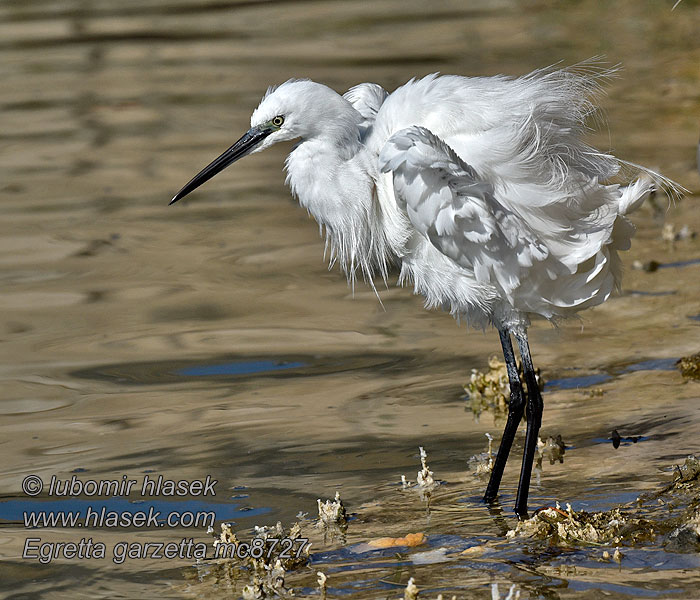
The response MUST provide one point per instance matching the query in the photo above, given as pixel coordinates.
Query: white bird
(480, 189)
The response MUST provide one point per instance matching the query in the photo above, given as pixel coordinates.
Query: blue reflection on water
(243, 367)
(655, 364)
(13, 510)
(571, 383)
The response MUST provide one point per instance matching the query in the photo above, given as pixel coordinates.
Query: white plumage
(489, 172)
(481, 189)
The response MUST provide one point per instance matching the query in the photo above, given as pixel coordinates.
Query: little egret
(481, 189)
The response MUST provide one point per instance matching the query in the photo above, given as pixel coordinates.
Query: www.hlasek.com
(99, 514)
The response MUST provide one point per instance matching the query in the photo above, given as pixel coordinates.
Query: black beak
(241, 148)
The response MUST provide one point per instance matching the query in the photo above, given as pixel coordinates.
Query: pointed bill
(244, 146)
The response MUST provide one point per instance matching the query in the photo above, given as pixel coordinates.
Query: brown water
(209, 338)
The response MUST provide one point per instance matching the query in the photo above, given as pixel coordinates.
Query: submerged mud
(664, 524)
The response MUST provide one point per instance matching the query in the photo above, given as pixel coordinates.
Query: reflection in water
(13, 511)
(573, 383)
(240, 368)
(212, 339)
(679, 264)
(223, 368)
(655, 364)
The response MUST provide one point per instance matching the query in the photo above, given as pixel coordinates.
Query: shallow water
(209, 338)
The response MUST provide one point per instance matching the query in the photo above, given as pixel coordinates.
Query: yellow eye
(278, 121)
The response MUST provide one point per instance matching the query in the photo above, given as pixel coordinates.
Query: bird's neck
(337, 187)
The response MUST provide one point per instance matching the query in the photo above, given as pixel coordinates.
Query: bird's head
(299, 108)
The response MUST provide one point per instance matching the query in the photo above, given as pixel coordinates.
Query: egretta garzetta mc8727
(481, 189)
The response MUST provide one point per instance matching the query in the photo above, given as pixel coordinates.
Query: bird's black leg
(516, 406)
(535, 407)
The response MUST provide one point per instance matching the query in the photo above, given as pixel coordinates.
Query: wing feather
(367, 99)
(500, 181)
(446, 200)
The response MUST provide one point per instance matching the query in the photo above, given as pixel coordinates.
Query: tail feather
(634, 195)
